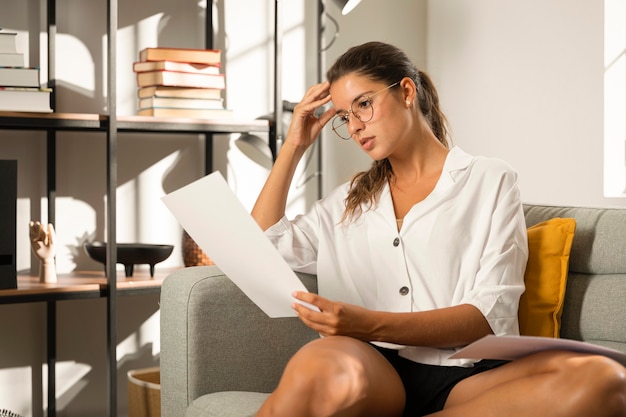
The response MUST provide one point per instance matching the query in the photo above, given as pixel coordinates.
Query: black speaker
(8, 216)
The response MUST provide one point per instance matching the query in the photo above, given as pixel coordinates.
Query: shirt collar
(457, 161)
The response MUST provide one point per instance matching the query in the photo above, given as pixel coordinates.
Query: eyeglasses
(361, 108)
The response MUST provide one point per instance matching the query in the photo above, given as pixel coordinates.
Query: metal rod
(208, 26)
(51, 342)
(209, 43)
(111, 192)
(51, 346)
(278, 54)
(320, 77)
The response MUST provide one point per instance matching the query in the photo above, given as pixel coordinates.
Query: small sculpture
(42, 241)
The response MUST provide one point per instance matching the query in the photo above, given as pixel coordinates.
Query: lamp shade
(346, 6)
(256, 149)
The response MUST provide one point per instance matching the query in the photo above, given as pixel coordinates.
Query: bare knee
(335, 376)
(321, 371)
(596, 383)
(610, 379)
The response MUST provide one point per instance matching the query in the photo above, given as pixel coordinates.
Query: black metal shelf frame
(111, 124)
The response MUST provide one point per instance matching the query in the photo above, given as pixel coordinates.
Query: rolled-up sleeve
(296, 241)
(499, 280)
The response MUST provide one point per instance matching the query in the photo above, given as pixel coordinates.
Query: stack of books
(179, 82)
(19, 86)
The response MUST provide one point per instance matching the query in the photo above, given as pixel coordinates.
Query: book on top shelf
(186, 113)
(179, 92)
(11, 59)
(198, 56)
(180, 103)
(25, 99)
(180, 79)
(19, 77)
(8, 42)
(144, 66)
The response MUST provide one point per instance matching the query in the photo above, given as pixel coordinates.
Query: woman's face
(380, 136)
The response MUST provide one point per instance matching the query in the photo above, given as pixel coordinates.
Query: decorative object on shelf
(6, 413)
(193, 255)
(131, 254)
(42, 239)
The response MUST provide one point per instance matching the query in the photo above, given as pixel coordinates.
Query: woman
(421, 255)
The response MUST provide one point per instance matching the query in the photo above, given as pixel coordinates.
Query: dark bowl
(131, 254)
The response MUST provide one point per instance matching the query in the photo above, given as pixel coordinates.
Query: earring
(408, 102)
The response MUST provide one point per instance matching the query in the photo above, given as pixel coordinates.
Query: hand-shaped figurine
(42, 242)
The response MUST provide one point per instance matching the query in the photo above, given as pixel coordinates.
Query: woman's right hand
(305, 125)
(304, 129)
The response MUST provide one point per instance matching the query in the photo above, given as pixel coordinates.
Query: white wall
(523, 81)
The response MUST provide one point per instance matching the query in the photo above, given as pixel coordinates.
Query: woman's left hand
(335, 318)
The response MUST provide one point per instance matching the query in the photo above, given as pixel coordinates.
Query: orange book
(179, 103)
(144, 66)
(186, 113)
(180, 79)
(180, 92)
(197, 56)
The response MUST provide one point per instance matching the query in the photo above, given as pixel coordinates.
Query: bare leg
(336, 376)
(551, 384)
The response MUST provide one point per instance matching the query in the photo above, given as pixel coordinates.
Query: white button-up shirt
(466, 243)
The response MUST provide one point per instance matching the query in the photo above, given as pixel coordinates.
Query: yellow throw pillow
(541, 305)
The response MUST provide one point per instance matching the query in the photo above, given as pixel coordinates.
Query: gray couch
(220, 354)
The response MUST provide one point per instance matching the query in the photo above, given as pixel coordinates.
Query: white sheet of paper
(515, 347)
(217, 221)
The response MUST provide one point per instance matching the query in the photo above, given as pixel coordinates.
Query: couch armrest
(213, 338)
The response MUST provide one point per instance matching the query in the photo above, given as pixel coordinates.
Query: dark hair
(387, 64)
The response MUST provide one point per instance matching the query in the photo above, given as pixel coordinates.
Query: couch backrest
(595, 299)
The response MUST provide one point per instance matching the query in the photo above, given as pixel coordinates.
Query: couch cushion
(594, 310)
(226, 404)
(599, 232)
(541, 305)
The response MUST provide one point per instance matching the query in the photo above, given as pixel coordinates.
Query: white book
(11, 59)
(25, 99)
(8, 42)
(19, 77)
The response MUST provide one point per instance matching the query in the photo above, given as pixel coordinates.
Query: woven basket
(192, 254)
(144, 393)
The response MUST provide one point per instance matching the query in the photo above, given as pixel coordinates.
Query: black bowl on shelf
(131, 254)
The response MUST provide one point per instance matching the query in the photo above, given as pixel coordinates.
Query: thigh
(334, 362)
(514, 371)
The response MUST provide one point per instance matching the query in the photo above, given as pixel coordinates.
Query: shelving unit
(110, 124)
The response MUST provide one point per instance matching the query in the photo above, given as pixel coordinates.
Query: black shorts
(427, 386)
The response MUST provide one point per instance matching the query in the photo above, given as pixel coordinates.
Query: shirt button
(396, 241)
(404, 290)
